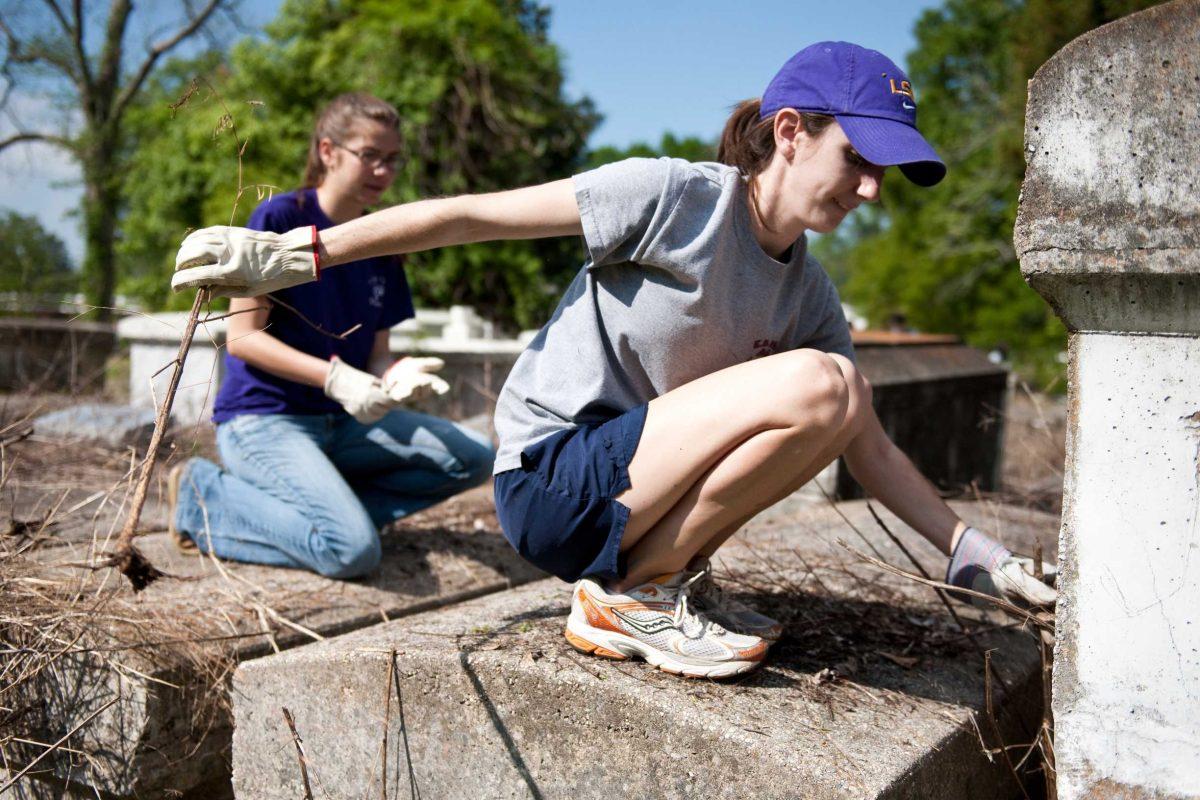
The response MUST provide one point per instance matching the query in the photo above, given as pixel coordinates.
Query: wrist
(380, 363)
(300, 247)
(956, 537)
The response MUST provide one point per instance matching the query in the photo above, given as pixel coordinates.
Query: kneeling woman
(698, 369)
(318, 450)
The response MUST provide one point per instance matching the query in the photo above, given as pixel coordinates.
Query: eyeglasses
(372, 159)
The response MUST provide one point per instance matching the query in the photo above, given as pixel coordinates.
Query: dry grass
(53, 615)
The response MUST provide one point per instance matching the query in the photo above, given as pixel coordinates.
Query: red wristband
(316, 253)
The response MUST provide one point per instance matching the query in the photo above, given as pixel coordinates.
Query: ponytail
(748, 142)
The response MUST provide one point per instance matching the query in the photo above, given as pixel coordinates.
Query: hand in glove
(239, 262)
(982, 564)
(411, 378)
(360, 393)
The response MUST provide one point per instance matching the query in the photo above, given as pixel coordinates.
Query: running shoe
(729, 612)
(657, 622)
(174, 479)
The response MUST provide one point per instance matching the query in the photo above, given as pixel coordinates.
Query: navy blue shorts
(558, 509)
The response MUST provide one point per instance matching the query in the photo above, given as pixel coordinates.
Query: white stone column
(1109, 233)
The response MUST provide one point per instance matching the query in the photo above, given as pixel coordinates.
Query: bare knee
(814, 390)
(858, 388)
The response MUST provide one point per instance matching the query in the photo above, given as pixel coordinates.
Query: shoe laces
(707, 591)
(685, 618)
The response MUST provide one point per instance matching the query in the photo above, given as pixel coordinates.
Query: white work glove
(1013, 580)
(982, 564)
(239, 262)
(360, 393)
(411, 378)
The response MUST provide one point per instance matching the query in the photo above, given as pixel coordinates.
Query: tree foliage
(35, 261)
(689, 148)
(944, 257)
(479, 88)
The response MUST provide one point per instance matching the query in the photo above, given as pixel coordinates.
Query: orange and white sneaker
(728, 612)
(655, 621)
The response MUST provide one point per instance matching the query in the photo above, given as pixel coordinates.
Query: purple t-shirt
(372, 293)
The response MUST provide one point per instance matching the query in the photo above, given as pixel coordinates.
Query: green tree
(689, 148)
(479, 88)
(35, 261)
(944, 256)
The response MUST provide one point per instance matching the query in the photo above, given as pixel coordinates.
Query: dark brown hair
(336, 121)
(749, 142)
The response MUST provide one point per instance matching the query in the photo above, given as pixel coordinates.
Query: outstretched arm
(237, 262)
(977, 561)
(886, 473)
(534, 212)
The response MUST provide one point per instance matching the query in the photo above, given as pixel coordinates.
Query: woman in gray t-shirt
(697, 370)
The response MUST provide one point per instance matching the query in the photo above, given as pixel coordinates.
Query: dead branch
(125, 556)
(991, 715)
(291, 722)
(157, 52)
(1017, 611)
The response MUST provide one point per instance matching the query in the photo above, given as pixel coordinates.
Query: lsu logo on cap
(905, 88)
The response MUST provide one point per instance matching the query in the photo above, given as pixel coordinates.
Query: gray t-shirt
(675, 287)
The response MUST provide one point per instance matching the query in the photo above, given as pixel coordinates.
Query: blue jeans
(312, 491)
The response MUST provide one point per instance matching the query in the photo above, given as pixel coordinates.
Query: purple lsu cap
(870, 97)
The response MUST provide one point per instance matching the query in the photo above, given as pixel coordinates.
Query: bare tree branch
(48, 138)
(110, 55)
(19, 52)
(73, 29)
(156, 52)
(60, 16)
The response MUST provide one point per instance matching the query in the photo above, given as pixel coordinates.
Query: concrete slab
(165, 655)
(108, 425)
(486, 699)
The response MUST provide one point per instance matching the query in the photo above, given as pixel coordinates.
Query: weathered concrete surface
(166, 654)
(1109, 221)
(1127, 670)
(106, 425)
(488, 700)
(1109, 232)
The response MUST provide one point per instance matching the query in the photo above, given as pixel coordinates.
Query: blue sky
(650, 66)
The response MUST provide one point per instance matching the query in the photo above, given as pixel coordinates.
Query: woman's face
(825, 178)
(363, 166)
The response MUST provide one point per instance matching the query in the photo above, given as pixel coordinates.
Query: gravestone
(1109, 233)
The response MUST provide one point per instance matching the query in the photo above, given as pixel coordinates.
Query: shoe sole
(619, 647)
(768, 635)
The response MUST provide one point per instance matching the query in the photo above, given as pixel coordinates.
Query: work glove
(1013, 580)
(360, 393)
(239, 262)
(411, 378)
(982, 564)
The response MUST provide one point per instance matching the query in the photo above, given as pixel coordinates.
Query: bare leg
(859, 406)
(722, 448)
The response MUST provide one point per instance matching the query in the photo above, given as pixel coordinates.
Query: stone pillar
(1109, 233)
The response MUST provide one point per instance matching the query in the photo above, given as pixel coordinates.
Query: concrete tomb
(165, 655)
(873, 693)
(1109, 232)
